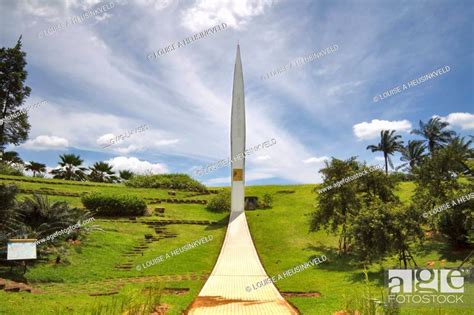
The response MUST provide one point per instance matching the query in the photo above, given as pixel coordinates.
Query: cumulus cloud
(315, 159)
(137, 166)
(371, 130)
(463, 120)
(208, 13)
(46, 142)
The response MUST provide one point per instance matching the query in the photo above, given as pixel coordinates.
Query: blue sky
(98, 83)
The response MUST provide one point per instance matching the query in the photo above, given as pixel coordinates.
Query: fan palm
(102, 172)
(36, 168)
(125, 174)
(43, 218)
(434, 132)
(389, 144)
(70, 168)
(11, 157)
(412, 154)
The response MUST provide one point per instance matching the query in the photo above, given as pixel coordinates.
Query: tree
(405, 228)
(126, 174)
(102, 172)
(389, 144)
(374, 185)
(438, 186)
(461, 153)
(9, 217)
(11, 157)
(412, 154)
(340, 204)
(70, 168)
(36, 168)
(434, 132)
(13, 93)
(371, 232)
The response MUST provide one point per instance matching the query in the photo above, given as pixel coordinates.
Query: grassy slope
(283, 241)
(280, 234)
(94, 260)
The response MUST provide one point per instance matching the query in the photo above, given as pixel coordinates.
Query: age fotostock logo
(426, 286)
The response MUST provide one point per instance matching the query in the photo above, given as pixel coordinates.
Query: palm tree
(11, 157)
(42, 217)
(102, 172)
(36, 168)
(126, 174)
(389, 144)
(433, 133)
(70, 168)
(412, 154)
(461, 152)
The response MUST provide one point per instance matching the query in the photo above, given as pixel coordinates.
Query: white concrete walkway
(237, 268)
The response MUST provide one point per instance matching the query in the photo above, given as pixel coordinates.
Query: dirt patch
(161, 309)
(300, 294)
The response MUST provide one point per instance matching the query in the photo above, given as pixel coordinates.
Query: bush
(6, 169)
(8, 213)
(267, 201)
(220, 202)
(172, 181)
(110, 205)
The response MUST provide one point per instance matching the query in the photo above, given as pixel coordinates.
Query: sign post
(21, 249)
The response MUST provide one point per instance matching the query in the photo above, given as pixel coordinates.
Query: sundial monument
(230, 288)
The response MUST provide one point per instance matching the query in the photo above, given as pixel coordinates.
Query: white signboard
(21, 249)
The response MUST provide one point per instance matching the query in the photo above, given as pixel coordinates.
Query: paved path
(237, 268)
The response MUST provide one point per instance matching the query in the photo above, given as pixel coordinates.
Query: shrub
(6, 169)
(267, 201)
(8, 213)
(220, 202)
(111, 205)
(172, 181)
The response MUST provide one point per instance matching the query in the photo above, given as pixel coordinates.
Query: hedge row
(172, 181)
(112, 205)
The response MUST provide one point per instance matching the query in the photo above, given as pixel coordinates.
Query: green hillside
(103, 265)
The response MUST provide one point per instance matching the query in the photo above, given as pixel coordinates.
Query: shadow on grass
(216, 226)
(14, 274)
(345, 263)
(336, 261)
(444, 250)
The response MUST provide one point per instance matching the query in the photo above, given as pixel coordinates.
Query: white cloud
(463, 120)
(46, 142)
(135, 165)
(208, 13)
(263, 157)
(365, 130)
(105, 139)
(379, 158)
(159, 5)
(315, 160)
(166, 142)
(129, 149)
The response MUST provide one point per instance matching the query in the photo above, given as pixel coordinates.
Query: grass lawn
(281, 235)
